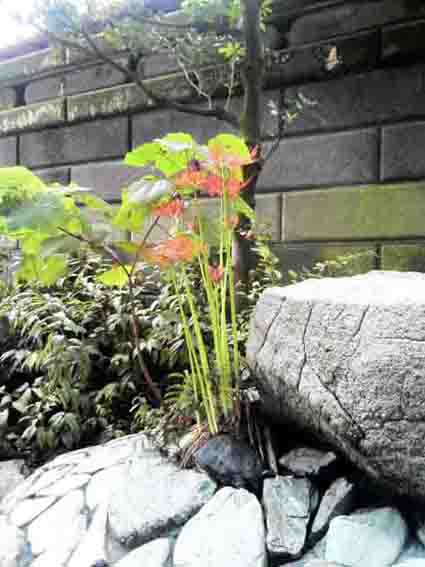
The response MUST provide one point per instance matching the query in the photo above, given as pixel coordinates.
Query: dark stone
(83, 142)
(230, 462)
(364, 99)
(8, 152)
(331, 159)
(354, 54)
(402, 151)
(403, 42)
(55, 175)
(72, 82)
(305, 461)
(348, 18)
(106, 179)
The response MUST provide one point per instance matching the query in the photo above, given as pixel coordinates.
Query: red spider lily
(214, 185)
(182, 248)
(173, 209)
(216, 273)
(190, 178)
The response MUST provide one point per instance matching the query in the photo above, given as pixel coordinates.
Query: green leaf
(143, 155)
(230, 144)
(19, 178)
(242, 207)
(94, 202)
(115, 277)
(130, 216)
(47, 272)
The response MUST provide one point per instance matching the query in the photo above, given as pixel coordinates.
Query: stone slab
(71, 82)
(300, 257)
(8, 151)
(402, 151)
(325, 159)
(350, 17)
(362, 99)
(403, 257)
(402, 42)
(30, 64)
(8, 98)
(126, 98)
(79, 143)
(107, 179)
(55, 175)
(355, 212)
(41, 115)
(316, 63)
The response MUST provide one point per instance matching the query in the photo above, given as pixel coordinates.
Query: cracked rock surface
(344, 358)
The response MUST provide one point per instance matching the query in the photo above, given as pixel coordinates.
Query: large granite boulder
(345, 359)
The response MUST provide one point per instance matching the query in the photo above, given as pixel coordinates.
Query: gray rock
(229, 530)
(346, 356)
(157, 553)
(288, 503)
(154, 496)
(367, 537)
(420, 532)
(12, 543)
(10, 474)
(305, 461)
(29, 509)
(92, 546)
(413, 550)
(338, 500)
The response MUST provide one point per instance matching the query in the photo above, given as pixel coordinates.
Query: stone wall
(350, 175)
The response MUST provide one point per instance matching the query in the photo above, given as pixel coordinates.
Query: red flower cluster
(172, 209)
(182, 248)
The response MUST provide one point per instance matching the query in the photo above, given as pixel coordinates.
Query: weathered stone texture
(30, 64)
(346, 357)
(367, 98)
(80, 143)
(343, 158)
(404, 257)
(355, 212)
(107, 179)
(8, 151)
(41, 115)
(55, 175)
(8, 98)
(402, 151)
(72, 82)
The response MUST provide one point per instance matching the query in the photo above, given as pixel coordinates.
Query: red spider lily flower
(214, 185)
(216, 273)
(172, 209)
(190, 178)
(182, 248)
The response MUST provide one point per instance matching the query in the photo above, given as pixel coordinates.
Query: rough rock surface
(343, 357)
(10, 475)
(289, 503)
(306, 461)
(367, 537)
(228, 531)
(338, 499)
(99, 504)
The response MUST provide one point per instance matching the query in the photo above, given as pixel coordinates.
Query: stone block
(348, 17)
(403, 42)
(159, 64)
(327, 159)
(363, 99)
(54, 175)
(402, 151)
(8, 151)
(125, 98)
(7, 98)
(107, 179)
(71, 82)
(299, 258)
(368, 212)
(40, 115)
(317, 63)
(103, 139)
(30, 64)
(404, 257)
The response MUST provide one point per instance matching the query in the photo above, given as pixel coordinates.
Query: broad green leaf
(148, 190)
(47, 272)
(20, 179)
(115, 277)
(177, 142)
(143, 155)
(94, 202)
(230, 144)
(130, 216)
(242, 207)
